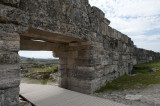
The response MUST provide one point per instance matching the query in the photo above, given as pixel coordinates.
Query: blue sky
(139, 19)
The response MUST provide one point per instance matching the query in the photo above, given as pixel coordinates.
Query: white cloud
(129, 8)
(137, 25)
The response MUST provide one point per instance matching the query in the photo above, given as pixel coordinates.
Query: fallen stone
(153, 70)
(133, 97)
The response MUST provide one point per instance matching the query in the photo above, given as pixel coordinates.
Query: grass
(51, 69)
(139, 81)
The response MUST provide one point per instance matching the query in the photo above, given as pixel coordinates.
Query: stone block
(83, 86)
(9, 76)
(82, 62)
(115, 62)
(73, 54)
(9, 97)
(81, 74)
(104, 60)
(9, 45)
(11, 2)
(9, 71)
(9, 82)
(104, 28)
(97, 12)
(107, 69)
(13, 15)
(84, 54)
(9, 57)
(114, 68)
(9, 36)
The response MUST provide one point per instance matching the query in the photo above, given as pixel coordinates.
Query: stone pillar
(81, 67)
(9, 69)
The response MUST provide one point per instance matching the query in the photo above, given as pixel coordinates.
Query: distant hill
(25, 58)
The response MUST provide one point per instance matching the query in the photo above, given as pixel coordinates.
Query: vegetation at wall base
(141, 80)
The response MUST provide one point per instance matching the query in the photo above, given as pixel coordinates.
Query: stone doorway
(75, 71)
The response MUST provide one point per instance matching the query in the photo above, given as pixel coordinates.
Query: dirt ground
(149, 96)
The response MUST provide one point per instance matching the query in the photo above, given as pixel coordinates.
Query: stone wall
(91, 53)
(9, 69)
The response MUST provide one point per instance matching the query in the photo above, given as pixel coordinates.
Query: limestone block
(124, 47)
(9, 97)
(104, 60)
(97, 61)
(115, 62)
(84, 68)
(73, 54)
(120, 47)
(119, 35)
(81, 74)
(110, 77)
(84, 54)
(9, 57)
(99, 73)
(83, 86)
(115, 34)
(62, 61)
(13, 15)
(11, 28)
(82, 62)
(106, 21)
(98, 83)
(123, 38)
(11, 2)
(9, 71)
(126, 39)
(107, 69)
(114, 68)
(97, 12)
(9, 76)
(104, 28)
(9, 45)
(9, 36)
(117, 74)
(9, 82)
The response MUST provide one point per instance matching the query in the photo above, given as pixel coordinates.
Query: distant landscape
(25, 58)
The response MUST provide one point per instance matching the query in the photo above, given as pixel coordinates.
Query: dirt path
(146, 97)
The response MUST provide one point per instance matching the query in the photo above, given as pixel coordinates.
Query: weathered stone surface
(9, 45)
(9, 71)
(9, 57)
(9, 36)
(9, 83)
(11, 2)
(9, 97)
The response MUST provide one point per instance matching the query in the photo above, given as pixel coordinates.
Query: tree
(30, 60)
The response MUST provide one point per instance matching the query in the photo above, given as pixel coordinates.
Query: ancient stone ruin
(90, 52)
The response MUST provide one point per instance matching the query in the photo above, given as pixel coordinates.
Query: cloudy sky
(139, 19)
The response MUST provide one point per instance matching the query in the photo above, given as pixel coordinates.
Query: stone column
(9, 69)
(81, 67)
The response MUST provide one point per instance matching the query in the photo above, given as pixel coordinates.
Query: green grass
(139, 81)
(51, 69)
(155, 64)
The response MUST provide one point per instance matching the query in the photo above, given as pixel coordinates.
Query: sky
(138, 19)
